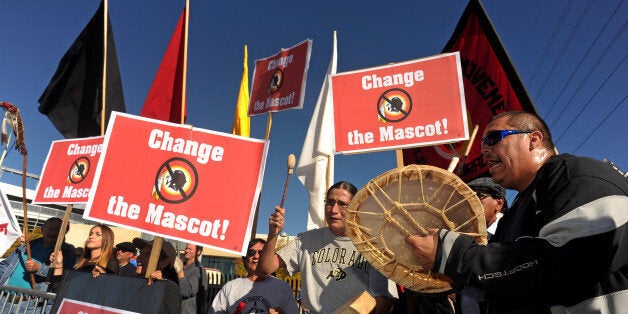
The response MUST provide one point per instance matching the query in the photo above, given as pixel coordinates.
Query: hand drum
(406, 201)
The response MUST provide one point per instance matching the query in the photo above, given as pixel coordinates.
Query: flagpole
(185, 59)
(328, 182)
(328, 170)
(467, 149)
(159, 241)
(269, 125)
(61, 235)
(269, 121)
(399, 154)
(104, 68)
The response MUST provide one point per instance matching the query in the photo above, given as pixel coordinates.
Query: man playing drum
(332, 270)
(561, 247)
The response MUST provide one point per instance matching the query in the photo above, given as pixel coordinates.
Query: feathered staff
(13, 118)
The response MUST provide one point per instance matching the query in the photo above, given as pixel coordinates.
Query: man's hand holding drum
(424, 247)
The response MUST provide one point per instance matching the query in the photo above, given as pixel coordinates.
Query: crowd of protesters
(569, 218)
(186, 287)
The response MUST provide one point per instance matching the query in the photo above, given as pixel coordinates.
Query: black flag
(73, 99)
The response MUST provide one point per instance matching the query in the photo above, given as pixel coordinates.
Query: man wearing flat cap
(493, 198)
(124, 253)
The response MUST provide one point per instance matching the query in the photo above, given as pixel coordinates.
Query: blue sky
(576, 74)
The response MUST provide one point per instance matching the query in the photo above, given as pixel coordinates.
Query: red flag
(491, 86)
(164, 100)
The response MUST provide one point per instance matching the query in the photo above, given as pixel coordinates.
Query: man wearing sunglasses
(562, 246)
(332, 270)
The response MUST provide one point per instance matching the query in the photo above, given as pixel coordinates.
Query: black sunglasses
(494, 137)
(251, 252)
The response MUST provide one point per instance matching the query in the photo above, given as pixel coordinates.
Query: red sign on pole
(68, 171)
(279, 80)
(414, 103)
(178, 182)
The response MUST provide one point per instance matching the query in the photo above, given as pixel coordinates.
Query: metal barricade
(20, 300)
(216, 281)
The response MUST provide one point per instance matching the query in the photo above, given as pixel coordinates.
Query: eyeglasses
(494, 137)
(331, 202)
(251, 252)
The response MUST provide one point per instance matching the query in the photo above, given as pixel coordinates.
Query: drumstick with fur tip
(291, 162)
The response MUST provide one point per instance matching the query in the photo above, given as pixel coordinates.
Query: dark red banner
(491, 86)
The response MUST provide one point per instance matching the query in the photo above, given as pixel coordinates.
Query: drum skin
(407, 201)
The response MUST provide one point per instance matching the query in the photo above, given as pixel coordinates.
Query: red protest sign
(178, 182)
(414, 103)
(279, 80)
(68, 171)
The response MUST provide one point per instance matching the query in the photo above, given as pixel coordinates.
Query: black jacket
(562, 243)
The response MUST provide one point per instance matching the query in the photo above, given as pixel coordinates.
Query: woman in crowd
(97, 257)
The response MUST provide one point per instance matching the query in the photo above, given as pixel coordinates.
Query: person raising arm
(332, 270)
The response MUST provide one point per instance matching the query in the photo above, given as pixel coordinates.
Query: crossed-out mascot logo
(276, 81)
(176, 181)
(79, 170)
(394, 105)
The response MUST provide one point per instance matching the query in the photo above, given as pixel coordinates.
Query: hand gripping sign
(68, 171)
(414, 103)
(178, 182)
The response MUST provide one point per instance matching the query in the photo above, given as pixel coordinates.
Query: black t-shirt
(127, 270)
